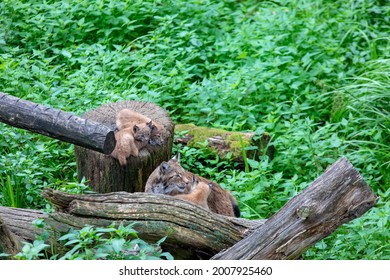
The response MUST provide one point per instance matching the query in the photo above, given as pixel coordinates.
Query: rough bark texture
(336, 197)
(56, 124)
(9, 243)
(223, 142)
(192, 231)
(103, 172)
(16, 227)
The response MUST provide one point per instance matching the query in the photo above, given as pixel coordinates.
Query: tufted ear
(164, 167)
(176, 157)
(195, 181)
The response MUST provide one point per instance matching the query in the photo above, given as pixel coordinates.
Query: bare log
(56, 124)
(104, 173)
(222, 142)
(336, 197)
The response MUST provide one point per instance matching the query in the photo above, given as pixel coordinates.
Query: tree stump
(103, 173)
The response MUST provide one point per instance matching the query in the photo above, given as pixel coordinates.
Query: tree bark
(336, 197)
(192, 231)
(9, 243)
(16, 227)
(104, 173)
(56, 124)
(223, 142)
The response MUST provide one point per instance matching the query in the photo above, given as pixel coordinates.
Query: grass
(313, 74)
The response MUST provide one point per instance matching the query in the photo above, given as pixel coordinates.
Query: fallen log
(223, 142)
(56, 124)
(192, 231)
(336, 197)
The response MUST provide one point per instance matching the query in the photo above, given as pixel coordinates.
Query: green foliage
(11, 193)
(313, 74)
(90, 243)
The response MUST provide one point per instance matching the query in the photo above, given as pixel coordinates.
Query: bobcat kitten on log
(171, 178)
(126, 118)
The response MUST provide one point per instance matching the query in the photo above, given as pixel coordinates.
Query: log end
(109, 143)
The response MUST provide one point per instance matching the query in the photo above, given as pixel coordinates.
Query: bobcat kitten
(126, 118)
(171, 178)
(199, 193)
(133, 134)
(129, 141)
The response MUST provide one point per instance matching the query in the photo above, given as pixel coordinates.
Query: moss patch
(228, 141)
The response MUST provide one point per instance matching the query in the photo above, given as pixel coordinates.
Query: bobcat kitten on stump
(129, 141)
(135, 131)
(126, 118)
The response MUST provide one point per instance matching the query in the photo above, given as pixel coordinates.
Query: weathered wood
(104, 173)
(336, 197)
(223, 142)
(191, 230)
(56, 124)
(9, 243)
(16, 227)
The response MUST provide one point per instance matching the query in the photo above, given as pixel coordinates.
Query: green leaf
(117, 244)
(65, 53)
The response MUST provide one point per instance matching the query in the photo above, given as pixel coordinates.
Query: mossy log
(223, 142)
(103, 173)
(336, 197)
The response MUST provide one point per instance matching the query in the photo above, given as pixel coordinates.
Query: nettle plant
(93, 243)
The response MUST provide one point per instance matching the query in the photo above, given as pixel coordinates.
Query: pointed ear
(176, 157)
(164, 167)
(135, 128)
(150, 124)
(195, 181)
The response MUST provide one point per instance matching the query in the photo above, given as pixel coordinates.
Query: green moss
(201, 134)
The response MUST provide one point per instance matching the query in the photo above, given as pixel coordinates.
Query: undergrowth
(313, 74)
